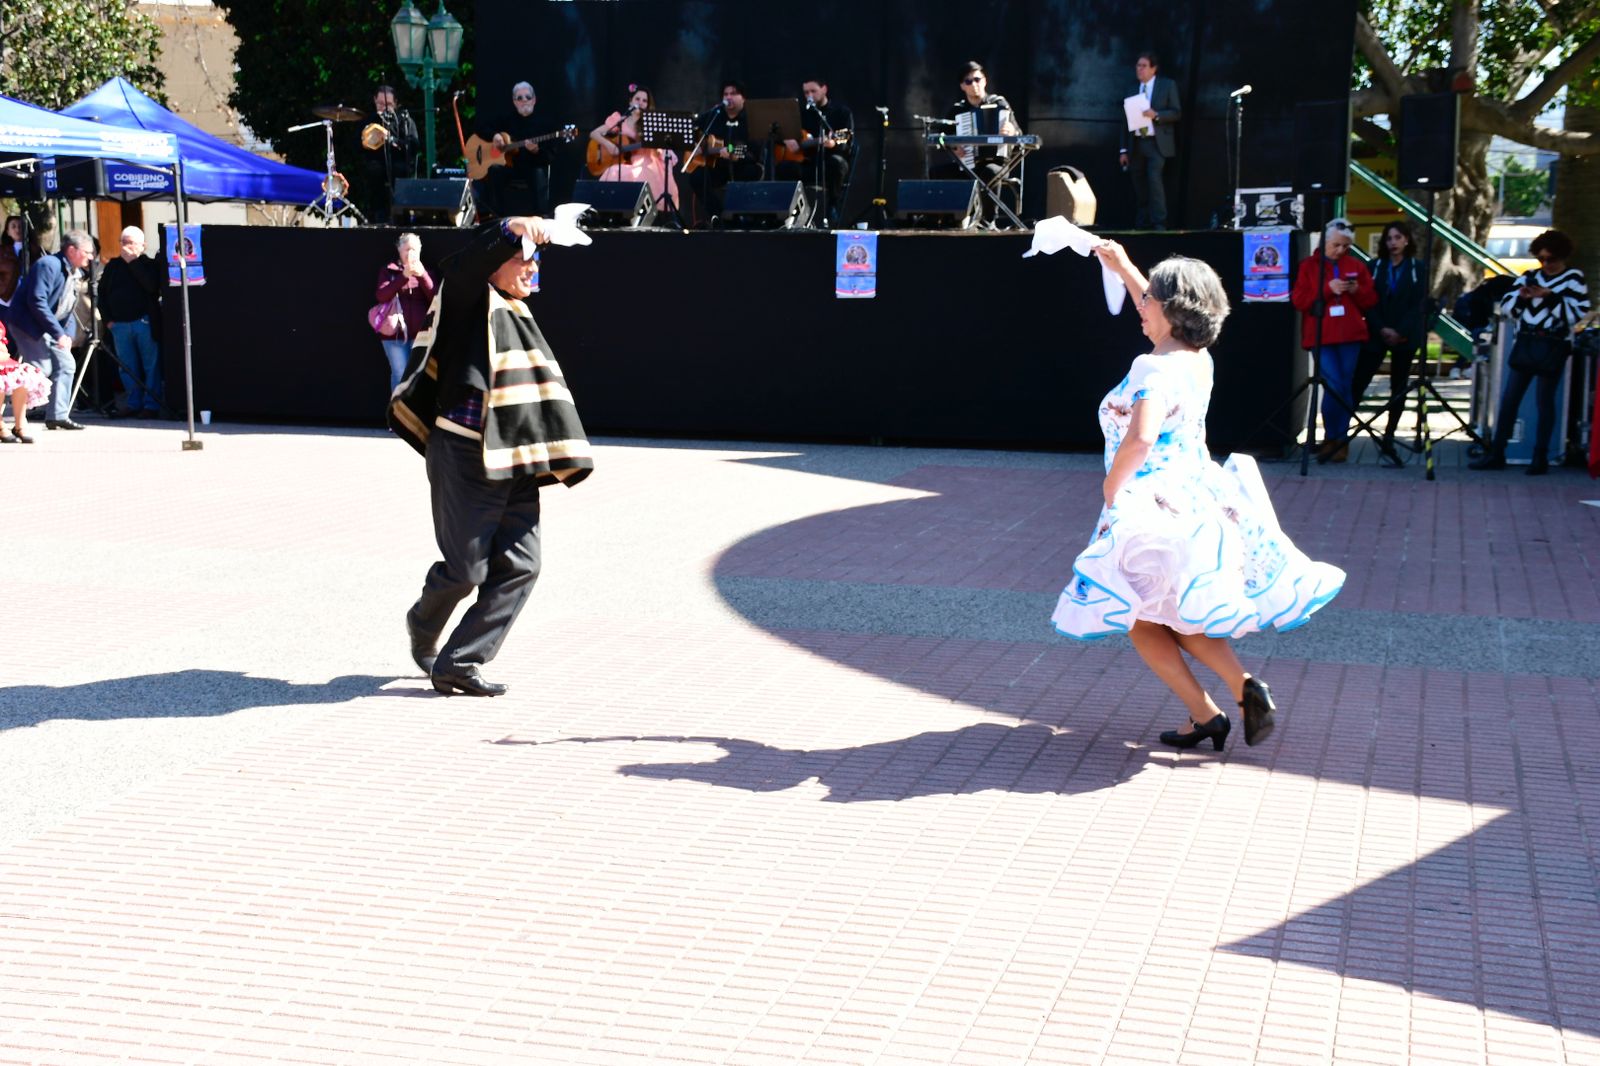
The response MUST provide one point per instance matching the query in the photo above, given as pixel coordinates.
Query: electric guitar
(714, 150)
(782, 154)
(482, 156)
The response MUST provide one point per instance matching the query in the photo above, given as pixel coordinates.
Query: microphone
(930, 120)
(811, 105)
(884, 111)
(1243, 90)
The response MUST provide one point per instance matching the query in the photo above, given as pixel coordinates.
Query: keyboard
(957, 140)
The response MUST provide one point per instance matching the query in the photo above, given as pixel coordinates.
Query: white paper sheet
(1053, 234)
(1134, 108)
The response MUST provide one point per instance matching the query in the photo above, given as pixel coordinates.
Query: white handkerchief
(563, 229)
(1055, 233)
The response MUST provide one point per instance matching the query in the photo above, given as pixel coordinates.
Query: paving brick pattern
(235, 828)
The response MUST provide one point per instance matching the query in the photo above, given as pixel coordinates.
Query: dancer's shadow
(1026, 758)
(180, 694)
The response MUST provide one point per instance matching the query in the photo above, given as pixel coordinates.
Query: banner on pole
(185, 254)
(855, 265)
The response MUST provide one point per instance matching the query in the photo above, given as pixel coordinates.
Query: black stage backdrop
(739, 335)
(1064, 64)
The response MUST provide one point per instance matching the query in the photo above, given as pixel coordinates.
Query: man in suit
(43, 324)
(1145, 151)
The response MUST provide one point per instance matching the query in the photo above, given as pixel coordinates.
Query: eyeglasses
(519, 99)
(1145, 298)
(971, 81)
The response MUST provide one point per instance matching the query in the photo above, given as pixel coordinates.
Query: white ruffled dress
(1187, 543)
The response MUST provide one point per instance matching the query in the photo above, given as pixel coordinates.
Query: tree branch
(1365, 103)
(1464, 26)
(1375, 135)
(1527, 108)
(1492, 116)
(1384, 70)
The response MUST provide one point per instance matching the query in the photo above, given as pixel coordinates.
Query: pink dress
(15, 375)
(645, 165)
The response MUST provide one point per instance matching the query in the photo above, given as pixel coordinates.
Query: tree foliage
(1509, 60)
(296, 54)
(56, 51)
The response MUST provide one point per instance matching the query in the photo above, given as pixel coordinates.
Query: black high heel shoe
(1258, 711)
(1215, 730)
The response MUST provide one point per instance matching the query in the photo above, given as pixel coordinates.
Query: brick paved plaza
(793, 769)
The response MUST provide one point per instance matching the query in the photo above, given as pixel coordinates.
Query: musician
(985, 162)
(522, 185)
(822, 119)
(736, 160)
(393, 158)
(1144, 154)
(651, 165)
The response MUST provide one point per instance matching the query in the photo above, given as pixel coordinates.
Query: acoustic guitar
(482, 156)
(782, 154)
(713, 151)
(598, 160)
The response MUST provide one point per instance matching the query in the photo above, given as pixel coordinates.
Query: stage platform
(738, 335)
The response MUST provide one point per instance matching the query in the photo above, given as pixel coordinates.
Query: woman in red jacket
(1336, 288)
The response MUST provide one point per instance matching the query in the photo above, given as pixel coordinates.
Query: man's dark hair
(972, 67)
(384, 89)
(818, 80)
(736, 86)
(1155, 60)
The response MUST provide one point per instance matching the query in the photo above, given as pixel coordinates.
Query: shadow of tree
(180, 694)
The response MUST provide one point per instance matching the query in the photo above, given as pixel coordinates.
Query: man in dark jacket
(130, 303)
(43, 326)
(485, 403)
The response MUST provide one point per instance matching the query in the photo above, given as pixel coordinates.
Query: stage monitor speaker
(1322, 146)
(432, 201)
(1067, 193)
(1430, 137)
(23, 183)
(948, 203)
(767, 204)
(615, 204)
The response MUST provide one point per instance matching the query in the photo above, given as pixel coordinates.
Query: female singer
(615, 153)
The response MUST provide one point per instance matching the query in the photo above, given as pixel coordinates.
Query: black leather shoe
(1491, 460)
(424, 650)
(1388, 456)
(21, 438)
(1215, 730)
(1259, 711)
(61, 423)
(469, 681)
(1537, 467)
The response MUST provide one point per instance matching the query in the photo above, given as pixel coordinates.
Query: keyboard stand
(1008, 164)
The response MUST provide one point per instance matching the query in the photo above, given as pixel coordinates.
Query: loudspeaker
(1322, 146)
(619, 204)
(938, 202)
(1430, 136)
(1067, 193)
(432, 201)
(771, 203)
(24, 184)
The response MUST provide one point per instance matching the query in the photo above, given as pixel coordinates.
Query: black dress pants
(488, 534)
(1511, 394)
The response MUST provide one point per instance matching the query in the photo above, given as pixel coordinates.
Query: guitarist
(522, 186)
(736, 159)
(821, 118)
(629, 163)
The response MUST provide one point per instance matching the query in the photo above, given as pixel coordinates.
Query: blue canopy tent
(213, 169)
(33, 137)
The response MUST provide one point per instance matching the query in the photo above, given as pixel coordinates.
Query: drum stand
(334, 203)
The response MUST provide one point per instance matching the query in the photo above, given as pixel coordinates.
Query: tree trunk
(1577, 205)
(1469, 207)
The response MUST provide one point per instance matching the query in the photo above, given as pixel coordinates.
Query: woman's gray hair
(1339, 226)
(1191, 297)
(406, 238)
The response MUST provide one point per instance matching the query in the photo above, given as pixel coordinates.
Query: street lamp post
(429, 54)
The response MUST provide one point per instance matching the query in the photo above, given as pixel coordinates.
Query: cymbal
(338, 113)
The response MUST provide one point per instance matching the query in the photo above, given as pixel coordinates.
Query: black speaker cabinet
(432, 201)
(953, 203)
(23, 183)
(1322, 146)
(1430, 137)
(616, 204)
(774, 204)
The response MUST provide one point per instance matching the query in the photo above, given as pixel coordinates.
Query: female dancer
(1186, 554)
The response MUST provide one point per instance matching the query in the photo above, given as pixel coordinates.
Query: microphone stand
(695, 152)
(824, 131)
(1238, 155)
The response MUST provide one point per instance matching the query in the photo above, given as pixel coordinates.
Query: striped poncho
(530, 424)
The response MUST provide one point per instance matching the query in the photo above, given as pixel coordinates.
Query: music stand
(668, 131)
(773, 121)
